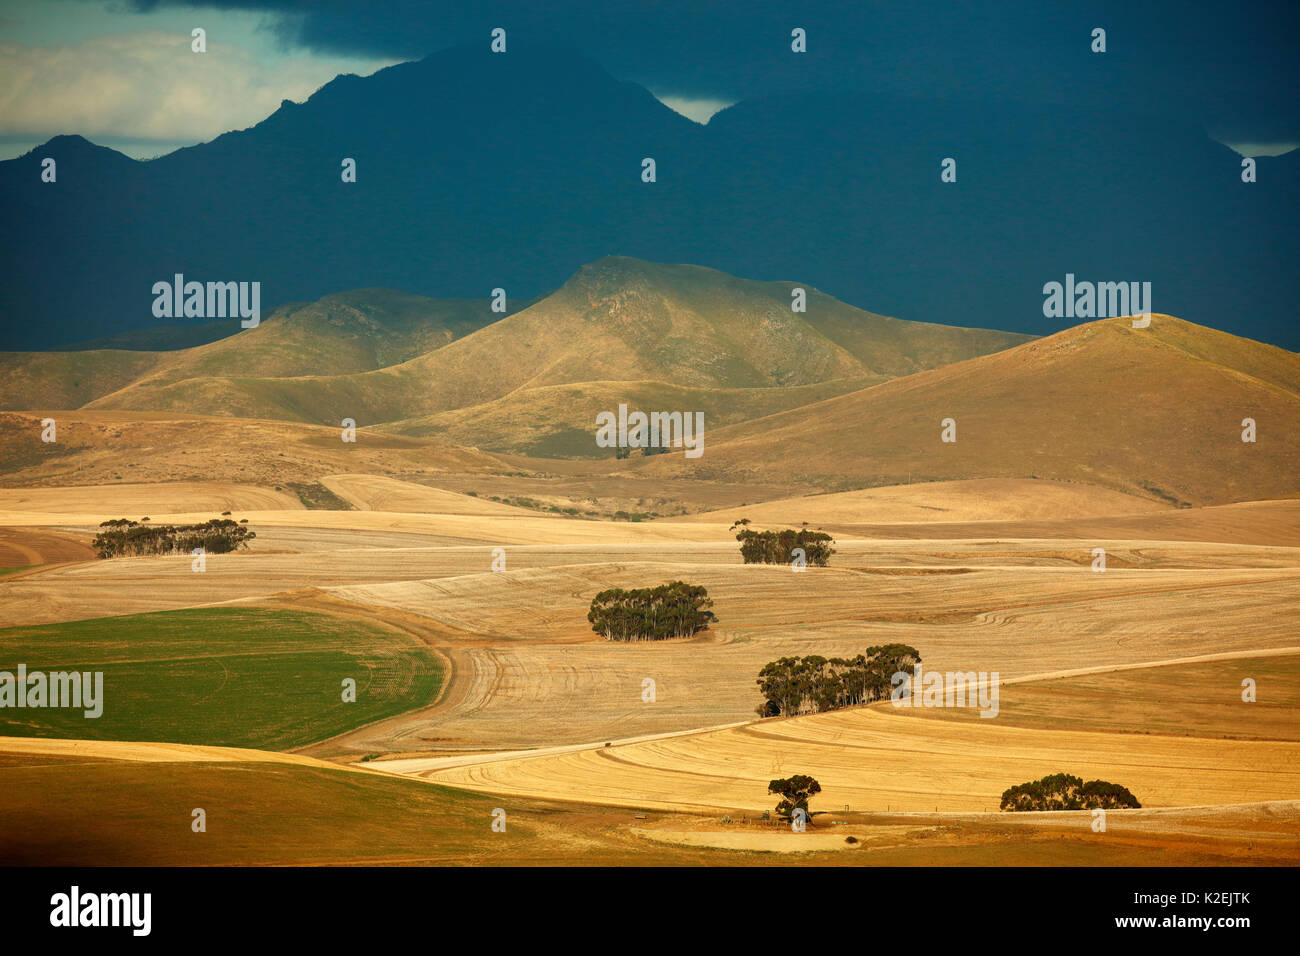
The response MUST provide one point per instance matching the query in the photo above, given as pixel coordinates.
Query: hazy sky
(121, 73)
(129, 80)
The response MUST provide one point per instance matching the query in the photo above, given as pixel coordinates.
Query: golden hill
(616, 320)
(354, 331)
(1154, 412)
(556, 421)
(100, 448)
(69, 379)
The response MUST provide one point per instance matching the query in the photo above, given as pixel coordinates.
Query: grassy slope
(105, 447)
(69, 379)
(269, 813)
(354, 331)
(226, 676)
(558, 421)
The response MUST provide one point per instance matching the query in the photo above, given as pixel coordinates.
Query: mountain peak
(74, 145)
(529, 79)
(615, 268)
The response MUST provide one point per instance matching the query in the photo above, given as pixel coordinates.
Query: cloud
(694, 108)
(1203, 61)
(1262, 149)
(150, 85)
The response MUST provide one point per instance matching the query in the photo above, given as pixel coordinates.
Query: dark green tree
(676, 609)
(1063, 791)
(778, 547)
(795, 792)
(813, 684)
(123, 538)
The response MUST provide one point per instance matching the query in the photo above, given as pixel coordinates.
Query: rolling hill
(354, 331)
(616, 320)
(100, 448)
(69, 379)
(555, 421)
(831, 399)
(1154, 412)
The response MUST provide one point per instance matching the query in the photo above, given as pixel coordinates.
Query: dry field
(27, 548)
(141, 793)
(531, 673)
(137, 500)
(1254, 834)
(133, 752)
(991, 576)
(886, 759)
(990, 499)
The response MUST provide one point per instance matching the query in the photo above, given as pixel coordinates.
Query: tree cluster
(777, 547)
(124, 538)
(809, 685)
(676, 609)
(1061, 791)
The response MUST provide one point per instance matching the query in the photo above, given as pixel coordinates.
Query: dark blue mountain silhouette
(478, 170)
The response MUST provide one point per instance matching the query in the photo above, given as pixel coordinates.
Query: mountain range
(381, 357)
(478, 171)
(829, 399)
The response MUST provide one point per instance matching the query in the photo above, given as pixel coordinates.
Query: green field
(243, 677)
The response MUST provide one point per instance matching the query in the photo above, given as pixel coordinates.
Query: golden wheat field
(537, 707)
(875, 759)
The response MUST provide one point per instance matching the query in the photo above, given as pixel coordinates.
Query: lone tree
(1061, 791)
(795, 792)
